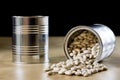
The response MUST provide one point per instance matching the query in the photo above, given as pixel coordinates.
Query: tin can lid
(30, 20)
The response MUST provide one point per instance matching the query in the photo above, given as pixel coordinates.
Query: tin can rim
(78, 28)
(29, 16)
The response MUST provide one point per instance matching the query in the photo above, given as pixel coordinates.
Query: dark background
(62, 19)
(60, 25)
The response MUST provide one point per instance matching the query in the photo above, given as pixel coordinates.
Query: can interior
(75, 32)
(71, 38)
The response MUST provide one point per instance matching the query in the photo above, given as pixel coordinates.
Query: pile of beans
(83, 50)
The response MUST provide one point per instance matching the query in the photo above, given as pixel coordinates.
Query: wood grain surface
(12, 71)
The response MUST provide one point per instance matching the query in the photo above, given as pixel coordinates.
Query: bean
(83, 50)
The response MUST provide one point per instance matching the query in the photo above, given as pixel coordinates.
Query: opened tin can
(104, 34)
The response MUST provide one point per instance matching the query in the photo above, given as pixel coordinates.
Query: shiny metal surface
(10, 71)
(107, 39)
(30, 39)
(30, 20)
(104, 34)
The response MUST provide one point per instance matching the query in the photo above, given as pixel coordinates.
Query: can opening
(82, 40)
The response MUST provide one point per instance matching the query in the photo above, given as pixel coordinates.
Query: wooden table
(12, 71)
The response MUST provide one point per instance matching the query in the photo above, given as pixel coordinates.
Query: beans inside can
(85, 46)
(97, 41)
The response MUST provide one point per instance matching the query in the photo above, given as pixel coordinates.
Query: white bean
(62, 71)
(71, 54)
(84, 57)
(49, 73)
(69, 72)
(76, 62)
(78, 73)
(47, 69)
(86, 74)
(86, 51)
(56, 69)
(83, 51)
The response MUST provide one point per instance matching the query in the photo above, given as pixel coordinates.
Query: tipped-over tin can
(30, 39)
(104, 34)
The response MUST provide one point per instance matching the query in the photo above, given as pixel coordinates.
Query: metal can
(104, 34)
(30, 39)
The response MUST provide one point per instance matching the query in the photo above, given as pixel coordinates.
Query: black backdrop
(60, 25)
(62, 19)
